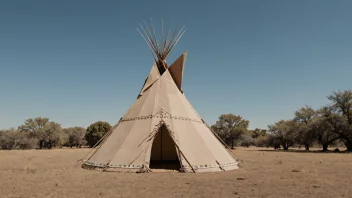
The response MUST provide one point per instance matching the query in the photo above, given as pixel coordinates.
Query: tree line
(42, 133)
(326, 126)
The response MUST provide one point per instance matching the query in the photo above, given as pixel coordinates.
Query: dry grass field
(55, 173)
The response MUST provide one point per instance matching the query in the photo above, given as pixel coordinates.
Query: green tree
(52, 135)
(258, 132)
(14, 138)
(339, 116)
(75, 136)
(284, 132)
(261, 141)
(96, 131)
(11, 139)
(273, 141)
(247, 139)
(48, 134)
(323, 130)
(304, 117)
(230, 128)
(35, 128)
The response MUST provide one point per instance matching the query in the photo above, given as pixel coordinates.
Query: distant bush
(247, 140)
(28, 143)
(75, 137)
(261, 141)
(273, 141)
(13, 139)
(96, 131)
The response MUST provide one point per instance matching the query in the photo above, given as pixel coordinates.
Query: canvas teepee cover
(161, 125)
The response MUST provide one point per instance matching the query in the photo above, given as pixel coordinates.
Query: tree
(2, 139)
(75, 136)
(96, 131)
(61, 136)
(259, 137)
(35, 128)
(305, 135)
(48, 134)
(273, 141)
(336, 123)
(323, 130)
(230, 128)
(247, 139)
(339, 115)
(258, 132)
(261, 141)
(11, 138)
(285, 132)
(52, 135)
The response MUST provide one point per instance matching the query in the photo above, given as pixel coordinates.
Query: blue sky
(78, 62)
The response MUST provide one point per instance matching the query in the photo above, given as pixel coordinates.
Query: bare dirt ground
(56, 173)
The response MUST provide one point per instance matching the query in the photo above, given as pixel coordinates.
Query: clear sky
(78, 62)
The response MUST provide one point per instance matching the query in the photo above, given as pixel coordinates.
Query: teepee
(161, 129)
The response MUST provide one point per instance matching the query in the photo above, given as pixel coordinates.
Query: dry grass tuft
(31, 170)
